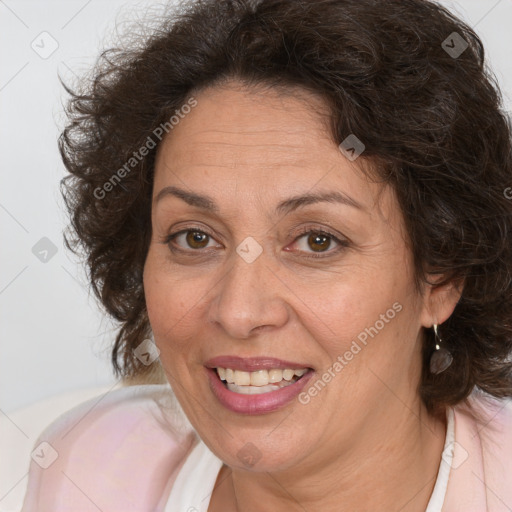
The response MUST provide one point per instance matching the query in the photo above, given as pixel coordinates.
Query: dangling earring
(442, 358)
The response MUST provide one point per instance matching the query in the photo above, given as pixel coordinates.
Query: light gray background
(53, 336)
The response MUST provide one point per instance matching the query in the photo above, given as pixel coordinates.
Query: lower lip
(256, 404)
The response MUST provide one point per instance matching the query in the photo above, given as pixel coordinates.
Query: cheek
(176, 303)
(349, 307)
(168, 301)
(368, 323)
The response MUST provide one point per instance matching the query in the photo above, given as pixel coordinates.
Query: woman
(297, 208)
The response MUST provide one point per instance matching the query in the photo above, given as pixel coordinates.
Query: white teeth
(230, 375)
(275, 375)
(288, 374)
(259, 378)
(242, 378)
(257, 390)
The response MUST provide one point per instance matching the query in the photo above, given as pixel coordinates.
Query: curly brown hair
(431, 121)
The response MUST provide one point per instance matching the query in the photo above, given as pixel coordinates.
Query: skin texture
(365, 442)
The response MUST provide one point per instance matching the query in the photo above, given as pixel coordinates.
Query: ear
(440, 301)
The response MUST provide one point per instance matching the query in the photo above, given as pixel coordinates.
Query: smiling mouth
(260, 381)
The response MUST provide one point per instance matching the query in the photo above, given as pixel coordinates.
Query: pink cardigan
(118, 453)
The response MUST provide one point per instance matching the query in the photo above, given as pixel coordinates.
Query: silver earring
(441, 358)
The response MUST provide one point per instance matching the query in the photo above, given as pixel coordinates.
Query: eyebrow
(284, 207)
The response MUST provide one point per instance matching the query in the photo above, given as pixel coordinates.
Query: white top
(192, 490)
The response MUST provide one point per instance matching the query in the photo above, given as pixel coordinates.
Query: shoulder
(482, 467)
(119, 451)
(490, 418)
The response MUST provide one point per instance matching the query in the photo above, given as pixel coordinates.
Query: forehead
(270, 142)
(236, 121)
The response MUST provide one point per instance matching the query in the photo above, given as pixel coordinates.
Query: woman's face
(247, 278)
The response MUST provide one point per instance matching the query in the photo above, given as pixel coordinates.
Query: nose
(249, 298)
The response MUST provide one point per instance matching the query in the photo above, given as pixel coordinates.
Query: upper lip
(252, 364)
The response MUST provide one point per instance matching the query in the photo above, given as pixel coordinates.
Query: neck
(385, 469)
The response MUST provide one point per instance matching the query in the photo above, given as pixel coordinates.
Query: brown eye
(188, 239)
(197, 239)
(319, 242)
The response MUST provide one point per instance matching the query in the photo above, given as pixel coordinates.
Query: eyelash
(343, 244)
